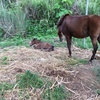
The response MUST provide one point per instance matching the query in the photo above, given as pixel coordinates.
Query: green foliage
(93, 6)
(37, 27)
(28, 79)
(63, 7)
(62, 12)
(44, 15)
(12, 19)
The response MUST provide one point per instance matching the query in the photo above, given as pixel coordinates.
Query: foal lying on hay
(43, 46)
(80, 27)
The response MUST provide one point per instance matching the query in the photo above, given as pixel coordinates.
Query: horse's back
(77, 26)
(80, 26)
(76, 21)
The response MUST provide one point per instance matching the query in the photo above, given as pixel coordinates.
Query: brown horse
(80, 27)
(43, 46)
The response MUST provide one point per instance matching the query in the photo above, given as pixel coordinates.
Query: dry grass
(54, 65)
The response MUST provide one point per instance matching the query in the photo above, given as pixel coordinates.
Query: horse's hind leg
(98, 38)
(95, 47)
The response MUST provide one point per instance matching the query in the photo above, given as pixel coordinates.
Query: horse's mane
(61, 20)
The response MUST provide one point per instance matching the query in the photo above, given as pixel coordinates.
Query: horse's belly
(80, 34)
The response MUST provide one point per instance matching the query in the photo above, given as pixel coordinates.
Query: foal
(43, 46)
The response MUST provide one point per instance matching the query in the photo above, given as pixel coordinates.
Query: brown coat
(80, 27)
(43, 46)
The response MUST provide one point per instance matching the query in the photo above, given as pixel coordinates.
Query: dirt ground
(79, 79)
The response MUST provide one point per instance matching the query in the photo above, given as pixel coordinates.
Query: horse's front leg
(68, 39)
(95, 47)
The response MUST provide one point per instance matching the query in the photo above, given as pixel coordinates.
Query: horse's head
(34, 41)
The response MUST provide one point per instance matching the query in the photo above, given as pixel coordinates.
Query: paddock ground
(78, 76)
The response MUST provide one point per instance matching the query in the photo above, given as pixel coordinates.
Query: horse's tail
(61, 20)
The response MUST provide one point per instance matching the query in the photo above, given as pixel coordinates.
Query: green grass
(29, 79)
(96, 70)
(80, 43)
(6, 86)
(57, 93)
(19, 41)
(75, 61)
(4, 60)
(83, 61)
(3, 88)
(16, 41)
(50, 36)
(24, 41)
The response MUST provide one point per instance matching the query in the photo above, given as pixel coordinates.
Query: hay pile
(23, 58)
(54, 65)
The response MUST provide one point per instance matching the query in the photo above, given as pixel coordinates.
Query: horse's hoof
(90, 62)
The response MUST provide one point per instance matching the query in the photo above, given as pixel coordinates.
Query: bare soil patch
(78, 78)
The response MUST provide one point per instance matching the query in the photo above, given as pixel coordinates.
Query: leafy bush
(43, 15)
(80, 7)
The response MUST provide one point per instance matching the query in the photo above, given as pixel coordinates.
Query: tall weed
(12, 21)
